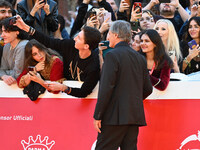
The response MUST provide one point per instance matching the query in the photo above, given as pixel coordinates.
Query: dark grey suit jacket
(124, 83)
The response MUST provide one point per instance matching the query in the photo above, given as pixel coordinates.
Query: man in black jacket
(123, 85)
(81, 63)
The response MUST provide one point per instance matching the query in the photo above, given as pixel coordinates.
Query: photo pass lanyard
(152, 69)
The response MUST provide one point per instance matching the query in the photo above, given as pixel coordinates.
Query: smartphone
(134, 26)
(107, 15)
(44, 1)
(12, 20)
(172, 55)
(31, 68)
(105, 51)
(105, 43)
(137, 5)
(164, 1)
(92, 13)
(192, 44)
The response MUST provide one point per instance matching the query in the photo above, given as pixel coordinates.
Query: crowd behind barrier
(167, 34)
(171, 118)
(138, 15)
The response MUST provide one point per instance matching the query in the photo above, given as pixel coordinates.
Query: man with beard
(172, 11)
(5, 12)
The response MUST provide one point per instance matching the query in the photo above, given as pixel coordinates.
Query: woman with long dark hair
(159, 63)
(191, 61)
(44, 62)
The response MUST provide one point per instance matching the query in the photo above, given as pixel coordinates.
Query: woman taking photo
(40, 61)
(158, 62)
(167, 32)
(40, 14)
(191, 61)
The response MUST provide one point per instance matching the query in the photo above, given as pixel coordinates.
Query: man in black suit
(123, 85)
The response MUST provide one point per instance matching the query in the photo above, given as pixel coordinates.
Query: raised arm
(80, 17)
(183, 13)
(60, 46)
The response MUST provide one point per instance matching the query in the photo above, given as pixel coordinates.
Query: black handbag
(33, 90)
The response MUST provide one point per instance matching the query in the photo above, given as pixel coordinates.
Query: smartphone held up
(107, 15)
(137, 5)
(192, 44)
(134, 26)
(31, 68)
(43, 1)
(12, 20)
(92, 14)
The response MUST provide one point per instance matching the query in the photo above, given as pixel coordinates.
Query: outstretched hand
(21, 24)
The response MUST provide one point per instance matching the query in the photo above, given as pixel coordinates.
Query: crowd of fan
(35, 46)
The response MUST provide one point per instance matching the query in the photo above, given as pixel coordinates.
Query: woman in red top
(40, 61)
(159, 63)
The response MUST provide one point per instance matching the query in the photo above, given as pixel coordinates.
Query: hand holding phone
(31, 68)
(43, 1)
(105, 43)
(137, 5)
(134, 26)
(92, 14)
(12, 20)
(106, 16)
(192, 44)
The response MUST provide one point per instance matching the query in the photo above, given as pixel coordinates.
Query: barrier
(63, 122)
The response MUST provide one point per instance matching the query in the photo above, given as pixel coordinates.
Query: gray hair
(122, 29)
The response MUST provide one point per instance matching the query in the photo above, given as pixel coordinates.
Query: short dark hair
(92, 37)
(13, 2)
(5, 4)
(9, 27)
(61, 21)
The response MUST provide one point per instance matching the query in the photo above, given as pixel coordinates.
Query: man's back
(124, 78)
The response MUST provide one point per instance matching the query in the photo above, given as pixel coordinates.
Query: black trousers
(114, 136)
